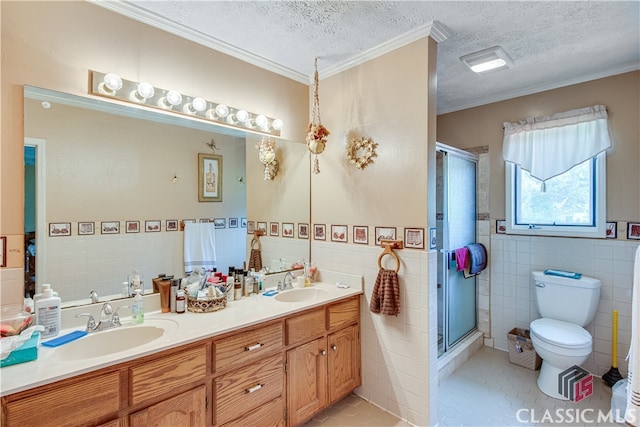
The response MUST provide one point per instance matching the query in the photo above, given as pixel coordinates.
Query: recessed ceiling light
(492, 59)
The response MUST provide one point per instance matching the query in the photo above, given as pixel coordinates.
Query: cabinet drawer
(344, 313)
(164, 375)
(100, 396)
(247, 388)
(305, 326)
(186, 410)
(267, 415)
(248, 346)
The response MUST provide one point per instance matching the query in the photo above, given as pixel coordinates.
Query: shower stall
(455, 228)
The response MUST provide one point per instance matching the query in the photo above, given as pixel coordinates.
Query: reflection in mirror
(108, 185)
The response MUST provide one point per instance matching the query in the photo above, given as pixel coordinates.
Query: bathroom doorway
(34, 222)
(456, 228)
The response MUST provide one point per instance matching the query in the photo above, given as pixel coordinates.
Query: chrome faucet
(108, 318)
(289, 284)
(94, 297)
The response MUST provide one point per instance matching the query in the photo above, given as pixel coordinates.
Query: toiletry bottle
(44, 286)
(175, 284)
(48, 314)
(137, 308)
(230, 289)
(181, 301)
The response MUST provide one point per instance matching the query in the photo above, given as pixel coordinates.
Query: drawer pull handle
(323, 352)
(334, 347)
(253, 347)
(254, 388)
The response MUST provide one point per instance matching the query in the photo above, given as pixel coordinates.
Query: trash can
(521, 351)
(619, 401)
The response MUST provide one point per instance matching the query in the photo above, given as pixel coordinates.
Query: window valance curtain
(548, 146)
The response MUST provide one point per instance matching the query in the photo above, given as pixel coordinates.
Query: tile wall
(513, 305)
(398, 372)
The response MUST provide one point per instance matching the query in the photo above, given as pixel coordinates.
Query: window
(569, 204)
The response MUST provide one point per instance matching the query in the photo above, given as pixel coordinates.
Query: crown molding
(132, 11)
(434, 29)
(530, 90)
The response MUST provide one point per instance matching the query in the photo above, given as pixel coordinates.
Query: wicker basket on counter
(208, 305)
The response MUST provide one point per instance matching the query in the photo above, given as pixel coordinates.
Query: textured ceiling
(552, 43)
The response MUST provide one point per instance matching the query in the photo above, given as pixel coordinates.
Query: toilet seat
(561, 334)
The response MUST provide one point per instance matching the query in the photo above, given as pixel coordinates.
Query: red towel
(385, 298)
(462, 258)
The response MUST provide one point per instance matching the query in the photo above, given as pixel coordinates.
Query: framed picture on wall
(303, 231)
(501, 226)
(233, 222)
(386, 233)
(262, 226)
(251, 225)
(132, 227)
(414, 238)
(110, 227)
(319, 232)
(361, 234)
(57, 229)
(339, 233)
(243, 222)
(209, 177)
(274, 229)
(171, 225)
(219, 222)
(633, 230)
(612, 230)
(287, 229)
(86, 228)
(152, 226)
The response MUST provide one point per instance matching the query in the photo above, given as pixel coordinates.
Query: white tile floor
(486, 391)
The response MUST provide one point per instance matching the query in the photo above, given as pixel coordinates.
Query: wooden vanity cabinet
(324, 370)
(278, 373)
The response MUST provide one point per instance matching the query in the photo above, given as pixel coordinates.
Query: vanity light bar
(111, 85)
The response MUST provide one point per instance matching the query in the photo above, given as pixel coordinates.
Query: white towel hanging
(632, 415)
(199, 246)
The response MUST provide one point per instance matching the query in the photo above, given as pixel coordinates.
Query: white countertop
(191, 327)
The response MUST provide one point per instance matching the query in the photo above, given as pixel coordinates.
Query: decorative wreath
(361, 152)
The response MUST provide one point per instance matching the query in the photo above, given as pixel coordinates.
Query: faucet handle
(280, 287)
(115, 319)
(91, 322)
(106, 312)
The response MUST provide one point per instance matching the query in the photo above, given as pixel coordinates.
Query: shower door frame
(446, 251)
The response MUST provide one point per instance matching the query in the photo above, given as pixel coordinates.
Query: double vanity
(261, 361)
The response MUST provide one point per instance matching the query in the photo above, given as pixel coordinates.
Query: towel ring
(389, 251)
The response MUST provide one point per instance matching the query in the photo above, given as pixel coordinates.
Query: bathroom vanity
(258, 362)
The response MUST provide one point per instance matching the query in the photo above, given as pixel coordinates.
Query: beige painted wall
(620, 94)
(54, 44)
(386, 100)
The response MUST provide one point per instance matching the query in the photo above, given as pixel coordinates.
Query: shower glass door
(456, 207)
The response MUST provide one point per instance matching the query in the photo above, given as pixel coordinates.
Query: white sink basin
(299, 295)
(114, 340)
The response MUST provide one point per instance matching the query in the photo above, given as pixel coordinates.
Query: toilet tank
(571, 300)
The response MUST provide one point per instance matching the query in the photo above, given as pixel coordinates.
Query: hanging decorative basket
(316, 133)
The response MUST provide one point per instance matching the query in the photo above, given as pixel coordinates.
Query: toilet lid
(560, 333)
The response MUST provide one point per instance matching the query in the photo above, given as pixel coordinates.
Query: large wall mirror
(107, 186)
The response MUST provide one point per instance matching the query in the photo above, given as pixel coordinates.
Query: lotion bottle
(49, 314)
(137, 308)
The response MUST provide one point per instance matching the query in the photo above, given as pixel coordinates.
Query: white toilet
(566, 305)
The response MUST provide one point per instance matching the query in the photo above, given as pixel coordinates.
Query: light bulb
(261, 121)
(222, 110)
(277, 124)
(144, 90)
(171, 99)
(199, 104)
(111, 83)
(242, 116)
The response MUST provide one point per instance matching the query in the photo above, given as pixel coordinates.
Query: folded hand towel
(462, 257)
(385, 298)
(199, 246)
(477, 258)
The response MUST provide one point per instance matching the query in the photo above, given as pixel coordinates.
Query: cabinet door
(186, 409)
(344, 362)
(306, 380)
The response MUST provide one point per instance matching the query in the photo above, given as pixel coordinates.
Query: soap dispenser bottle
(137, 308)
(48, 313)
